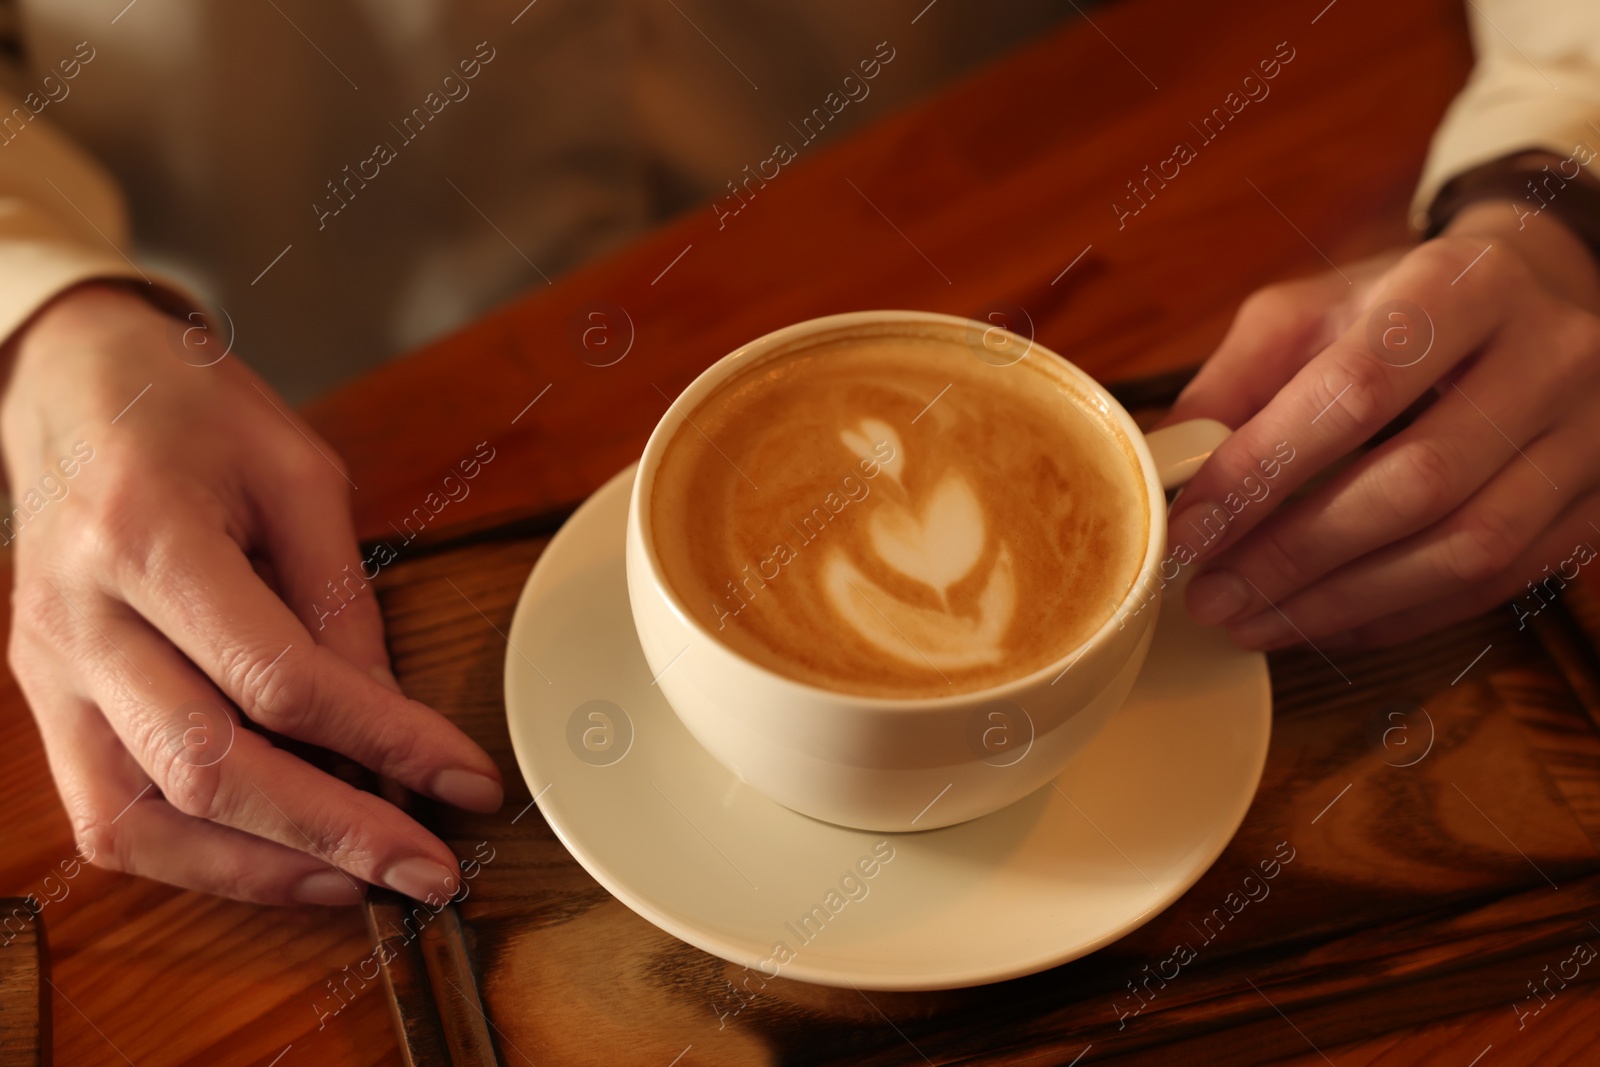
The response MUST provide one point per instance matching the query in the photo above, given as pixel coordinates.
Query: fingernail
(328, 887)
(1262, 630)
(1201, 526)
(386, 677)
(468, 789)
(1217, 596)
(421, 879)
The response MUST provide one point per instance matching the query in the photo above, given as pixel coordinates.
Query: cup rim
(725, 366)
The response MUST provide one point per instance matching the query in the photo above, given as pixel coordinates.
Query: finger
(198, 589)
(1534, 582)
(155, 840)
(1347, 393)
(246, 783)
(310, 537)
(1406, 484)
(121, 824)
(1473, 546)
(1274, 333)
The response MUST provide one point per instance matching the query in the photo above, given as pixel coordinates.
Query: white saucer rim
(885, 981)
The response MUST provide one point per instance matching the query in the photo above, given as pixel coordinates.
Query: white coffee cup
(900, 764)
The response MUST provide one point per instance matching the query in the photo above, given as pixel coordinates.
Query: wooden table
(999, 191)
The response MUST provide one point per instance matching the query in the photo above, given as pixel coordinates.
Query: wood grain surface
(24, 984)
(980, 197)
(1438, 865)
(985, 194)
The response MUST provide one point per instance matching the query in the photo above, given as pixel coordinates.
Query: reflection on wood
(1002, 181)
(1439, 859)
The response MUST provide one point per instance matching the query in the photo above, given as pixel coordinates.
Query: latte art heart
(920, 636)
(882, 513)
(938, 544)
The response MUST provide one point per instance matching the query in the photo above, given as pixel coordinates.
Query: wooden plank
(1562, 1033)
(24, 984)
(1001, 181)
(408, 985)
(1430, 869)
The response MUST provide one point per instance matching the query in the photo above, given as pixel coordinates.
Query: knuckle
(37, 609)
(138, 524)
(309, 460)
(1576, 346)
(1483, 545)
(1276, 314)
(97, 841)
(189, 787)
(1416, 484)
(120, 491)
(349, 843)
(48, 634)
(32, 599)
(1270, 302)
(1449, 255)
(1357, 391)
(193, 789)
(28, 658)
(276, 691)
(19, 656)
(117, 530)
(414, 755)
(1277, 564)
(303, 464)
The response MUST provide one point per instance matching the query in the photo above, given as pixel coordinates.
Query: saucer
(1122, 832)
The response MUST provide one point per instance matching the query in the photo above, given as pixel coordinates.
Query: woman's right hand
(1495, 482)
(175, 529)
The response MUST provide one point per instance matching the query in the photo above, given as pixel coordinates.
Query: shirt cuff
(1518, 112)
(40, 258)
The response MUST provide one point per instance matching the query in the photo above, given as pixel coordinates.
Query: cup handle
(1181, 448)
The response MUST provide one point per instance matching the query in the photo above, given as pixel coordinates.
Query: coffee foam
(880, 512)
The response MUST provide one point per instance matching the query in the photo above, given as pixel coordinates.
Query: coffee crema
(882, 513)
